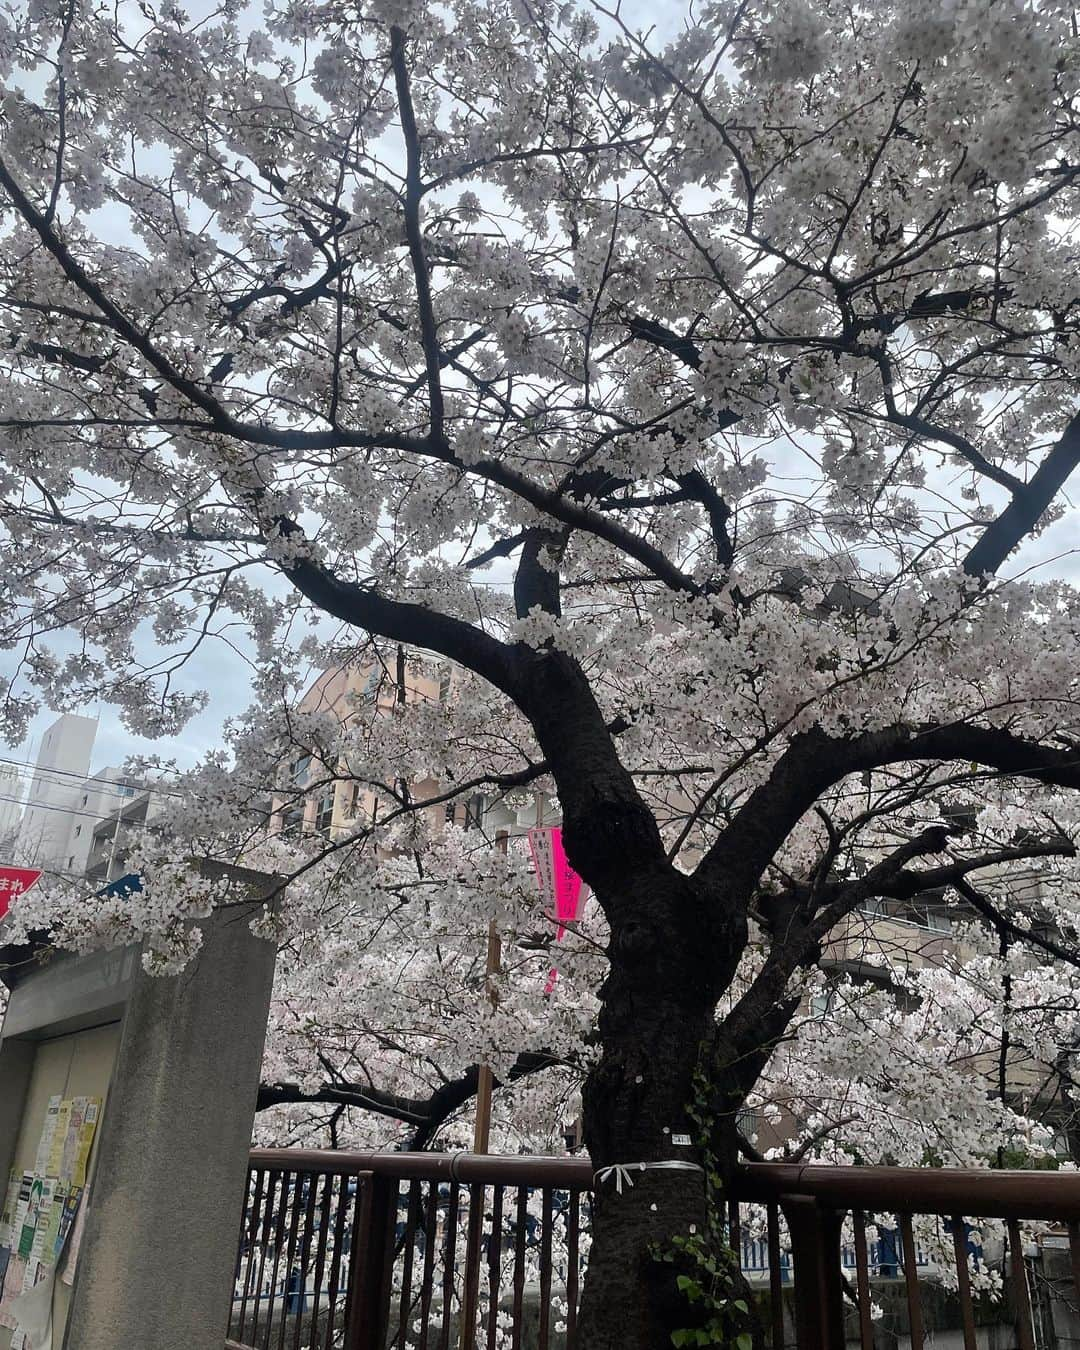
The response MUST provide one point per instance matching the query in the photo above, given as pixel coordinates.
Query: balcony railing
(429, 1251)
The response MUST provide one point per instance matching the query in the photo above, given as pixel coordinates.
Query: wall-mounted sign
(16, 881)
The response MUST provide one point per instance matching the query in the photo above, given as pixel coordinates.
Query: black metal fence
(348, 1251)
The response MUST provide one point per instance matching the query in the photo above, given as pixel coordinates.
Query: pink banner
(562, 888)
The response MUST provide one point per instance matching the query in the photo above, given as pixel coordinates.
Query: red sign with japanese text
(15, 881)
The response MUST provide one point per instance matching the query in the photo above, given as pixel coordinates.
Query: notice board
(43, 1199)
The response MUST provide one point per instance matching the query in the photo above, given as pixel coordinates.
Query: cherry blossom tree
(690, 392)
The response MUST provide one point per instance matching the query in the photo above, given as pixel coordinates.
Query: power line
(107, 797)
(67, 810)
(34, 768)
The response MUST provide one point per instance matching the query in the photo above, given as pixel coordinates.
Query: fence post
(819, 1295)
(371, 1264)
(471, 1299)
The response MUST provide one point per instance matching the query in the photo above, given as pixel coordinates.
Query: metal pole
(485, 1082)
(112, 846)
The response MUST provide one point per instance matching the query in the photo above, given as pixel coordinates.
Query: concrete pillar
(158, 1255)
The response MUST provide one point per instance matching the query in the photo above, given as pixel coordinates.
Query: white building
(100, 797)
(12, 786)
(63, 762)
(65, 801)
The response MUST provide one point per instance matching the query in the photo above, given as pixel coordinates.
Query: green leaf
(681, 1337)
(744, 1341)
(740, 1303)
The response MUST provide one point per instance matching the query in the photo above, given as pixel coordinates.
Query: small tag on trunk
(683, 1140)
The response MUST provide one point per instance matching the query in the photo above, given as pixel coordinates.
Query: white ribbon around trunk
(621, 1171)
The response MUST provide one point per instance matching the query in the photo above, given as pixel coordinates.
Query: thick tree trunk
(654, 1038)
(667, 973)
(634, 1109)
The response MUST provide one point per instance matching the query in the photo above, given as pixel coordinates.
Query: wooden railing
(429, 1251)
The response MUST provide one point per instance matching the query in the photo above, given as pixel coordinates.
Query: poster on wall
(48, 1133)
(39, 1224)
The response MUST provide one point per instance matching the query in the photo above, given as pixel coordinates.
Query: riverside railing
(430, 1251)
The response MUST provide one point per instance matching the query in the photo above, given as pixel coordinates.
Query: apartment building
(355, 693)
(314, 802)
(65, 800)
(110, 838)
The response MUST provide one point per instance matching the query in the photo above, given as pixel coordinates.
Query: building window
(821, 1003)
(78, 831)
(298, 769)
(928, 911)
(85, 798)
(324, 812)
(127, 792)
(71, 863)
(292, 821)
(451, 812)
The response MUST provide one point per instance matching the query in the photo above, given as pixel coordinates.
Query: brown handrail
(918, 1190)
(947, 1191)
(512, 1170)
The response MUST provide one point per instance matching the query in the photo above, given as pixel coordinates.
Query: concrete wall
(16, 1069)
(70, 993)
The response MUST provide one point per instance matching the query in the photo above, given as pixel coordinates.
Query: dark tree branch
(814, 761)
(901, 884)
(698, 488)
(435, 446)
(798, 931)
(925, 430)
(1003, 923)
(425, 1115)
(409, 1110)
(1027, 507)
(658, 335)
(1029, 501)
(402, 621)
(50, 351)
(414, 191)
(502, 548)
(536, 583)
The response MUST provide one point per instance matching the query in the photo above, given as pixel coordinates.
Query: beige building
(323, 799)
(320, 803)
(919, 933)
